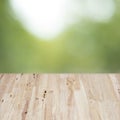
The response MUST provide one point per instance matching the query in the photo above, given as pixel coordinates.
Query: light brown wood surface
(59, 96)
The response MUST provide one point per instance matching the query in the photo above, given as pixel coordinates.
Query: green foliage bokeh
(86, 47)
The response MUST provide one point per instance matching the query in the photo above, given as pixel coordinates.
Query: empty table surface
(59, 96)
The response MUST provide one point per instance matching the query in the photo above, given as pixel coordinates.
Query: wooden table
(59, 96)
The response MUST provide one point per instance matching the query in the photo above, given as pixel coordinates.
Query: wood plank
(59, 96)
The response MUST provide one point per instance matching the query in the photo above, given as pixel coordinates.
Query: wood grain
(59, 96)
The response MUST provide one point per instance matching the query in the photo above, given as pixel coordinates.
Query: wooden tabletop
(59, 96)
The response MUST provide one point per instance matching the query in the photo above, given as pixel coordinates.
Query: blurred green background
(86, 46)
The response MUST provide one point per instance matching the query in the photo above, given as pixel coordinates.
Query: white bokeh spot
(46, 19)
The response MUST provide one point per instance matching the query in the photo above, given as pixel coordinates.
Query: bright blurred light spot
(100, 10)
(96, 10)
(44, 18)
(48, 18)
